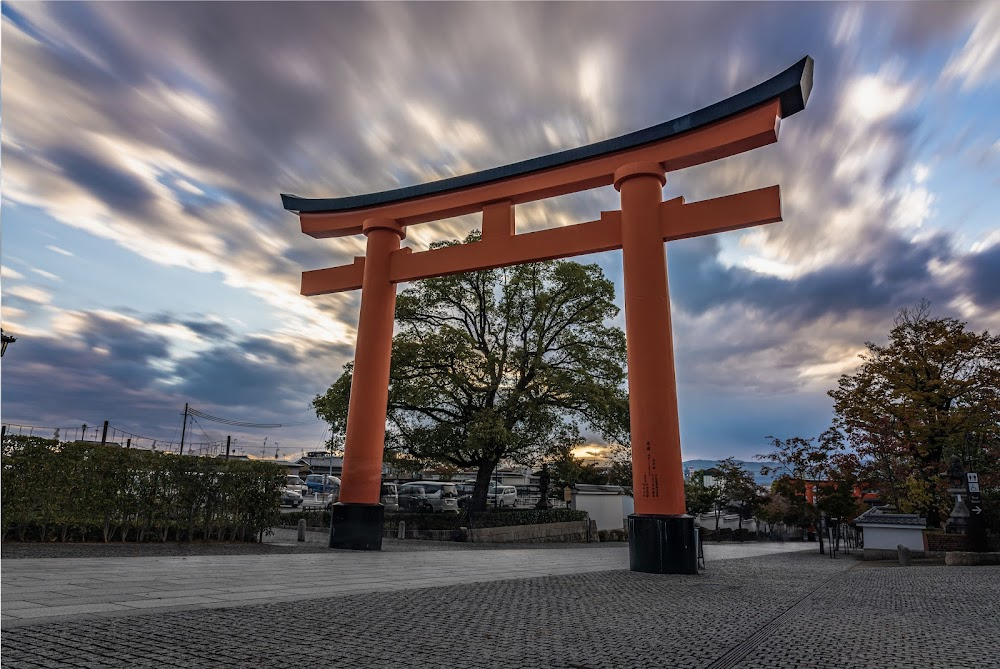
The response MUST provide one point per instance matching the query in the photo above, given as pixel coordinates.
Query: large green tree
(740, 489)
(932, 392)
(698, 497)
(500, 364)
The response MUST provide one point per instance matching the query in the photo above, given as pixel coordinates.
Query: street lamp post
(7, 339)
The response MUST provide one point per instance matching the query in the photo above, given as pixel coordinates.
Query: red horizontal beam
(573, 240)
(721, 214)
(498, 248)
(334, 279)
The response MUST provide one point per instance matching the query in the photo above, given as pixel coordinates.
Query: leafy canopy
(931, 393)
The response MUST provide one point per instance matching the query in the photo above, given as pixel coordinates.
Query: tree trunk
(483, 476)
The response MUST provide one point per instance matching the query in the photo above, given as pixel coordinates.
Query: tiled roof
(883, 515)
(323, 462)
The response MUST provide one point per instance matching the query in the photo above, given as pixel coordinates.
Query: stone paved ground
(790, 610)
(882, 616)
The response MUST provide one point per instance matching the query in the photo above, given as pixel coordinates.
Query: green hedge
(313, 518)
(507, 517)
(450, 521)
(727, 534)
(88, 492)
(491, 518)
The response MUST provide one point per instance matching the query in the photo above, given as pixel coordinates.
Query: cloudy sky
(147, 261)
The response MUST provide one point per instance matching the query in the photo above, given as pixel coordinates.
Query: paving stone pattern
(845, 615)
(884, 617)
(39, 591)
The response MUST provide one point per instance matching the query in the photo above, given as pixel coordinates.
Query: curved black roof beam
(791, 88)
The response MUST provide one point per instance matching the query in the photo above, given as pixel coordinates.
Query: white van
(506, 497)
(295, 483)
(390, 497)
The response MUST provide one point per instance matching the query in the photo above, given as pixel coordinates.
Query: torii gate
(661, 534)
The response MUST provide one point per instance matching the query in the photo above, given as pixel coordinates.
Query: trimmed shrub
(490, 518)
(87, 492)
(507, 517)
(613, 535)
(449, 521)
(312, 518)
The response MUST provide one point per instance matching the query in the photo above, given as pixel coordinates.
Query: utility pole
(104, 434)
(228, 438)
(184, 428)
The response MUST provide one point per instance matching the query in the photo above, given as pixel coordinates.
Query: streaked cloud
(60, 251)
(30, 294)
(978, 61)
(47, 275)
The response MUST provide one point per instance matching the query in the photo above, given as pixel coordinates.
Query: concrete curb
(967, 559)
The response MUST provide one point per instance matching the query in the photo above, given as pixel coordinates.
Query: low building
(321, 462)
(606, 504)
(883, 531)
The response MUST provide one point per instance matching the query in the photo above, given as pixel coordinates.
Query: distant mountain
(753, 467)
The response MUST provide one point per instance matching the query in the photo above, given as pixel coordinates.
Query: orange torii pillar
(661, 534)
(370, 385)
(660, 521)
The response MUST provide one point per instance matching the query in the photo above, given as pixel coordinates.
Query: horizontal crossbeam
(500, 247)
(704, 135)
(743, 132)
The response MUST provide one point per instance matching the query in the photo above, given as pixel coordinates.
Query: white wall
(605, 508)
(887, 538)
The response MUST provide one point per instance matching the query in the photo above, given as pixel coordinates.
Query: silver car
(290, 498)
(430, 496)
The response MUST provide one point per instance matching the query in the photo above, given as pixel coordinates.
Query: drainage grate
(736, 654)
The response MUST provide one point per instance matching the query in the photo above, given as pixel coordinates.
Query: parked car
(295, 483)
(290, 498)
(508, 494)
(431, 496)
(323, 483)
(465, 490)
(390, 497)
(506, 497)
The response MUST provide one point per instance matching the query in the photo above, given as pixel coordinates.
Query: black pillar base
(357, 527)
(662, 544)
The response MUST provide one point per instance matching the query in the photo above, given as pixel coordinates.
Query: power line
(68, 434)
(226, 421)
(210, 442)
(237, 423)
